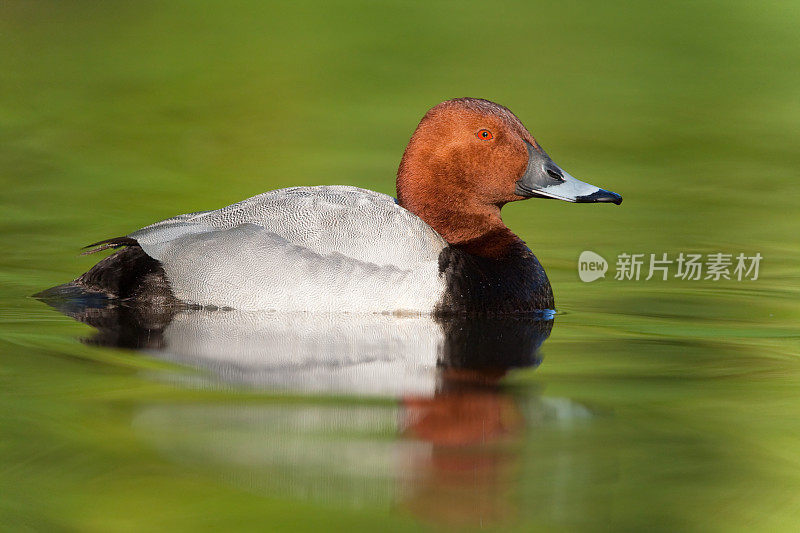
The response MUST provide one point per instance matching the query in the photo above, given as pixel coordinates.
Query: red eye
(485, 135)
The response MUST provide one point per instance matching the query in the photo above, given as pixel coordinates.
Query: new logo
(591, 266)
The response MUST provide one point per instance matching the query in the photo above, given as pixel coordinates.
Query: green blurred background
(117, 114)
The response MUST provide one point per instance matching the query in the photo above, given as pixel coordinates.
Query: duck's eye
(556, 175)
(485, 135)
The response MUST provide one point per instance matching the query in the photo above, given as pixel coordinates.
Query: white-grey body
(325, 248)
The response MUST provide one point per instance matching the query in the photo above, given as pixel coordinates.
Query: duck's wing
(307, 248)
(248, 267)
(357, 223)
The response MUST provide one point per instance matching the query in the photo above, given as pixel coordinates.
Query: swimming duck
(441, 247)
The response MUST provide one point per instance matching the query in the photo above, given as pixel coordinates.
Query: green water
(659, 405)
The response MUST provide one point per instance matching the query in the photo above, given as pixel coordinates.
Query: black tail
(128, 274)
(116, 242)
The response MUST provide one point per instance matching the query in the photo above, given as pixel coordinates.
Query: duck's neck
(449, 198)
(476, 229)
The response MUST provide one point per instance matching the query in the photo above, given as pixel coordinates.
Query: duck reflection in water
(447, 451)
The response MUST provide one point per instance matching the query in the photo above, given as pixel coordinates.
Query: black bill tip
(600, 195)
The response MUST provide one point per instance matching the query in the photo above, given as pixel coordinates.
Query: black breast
(514, 283)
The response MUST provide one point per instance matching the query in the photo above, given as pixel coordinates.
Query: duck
(440, 247)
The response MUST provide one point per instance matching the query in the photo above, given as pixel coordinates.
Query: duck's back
(358, 223)
(327, 248)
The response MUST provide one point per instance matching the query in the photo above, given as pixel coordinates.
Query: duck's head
(467, 158)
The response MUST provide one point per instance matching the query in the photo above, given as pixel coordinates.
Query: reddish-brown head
(464, 151)
(467, 158)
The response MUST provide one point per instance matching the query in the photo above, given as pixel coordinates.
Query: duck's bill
(545, 179)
